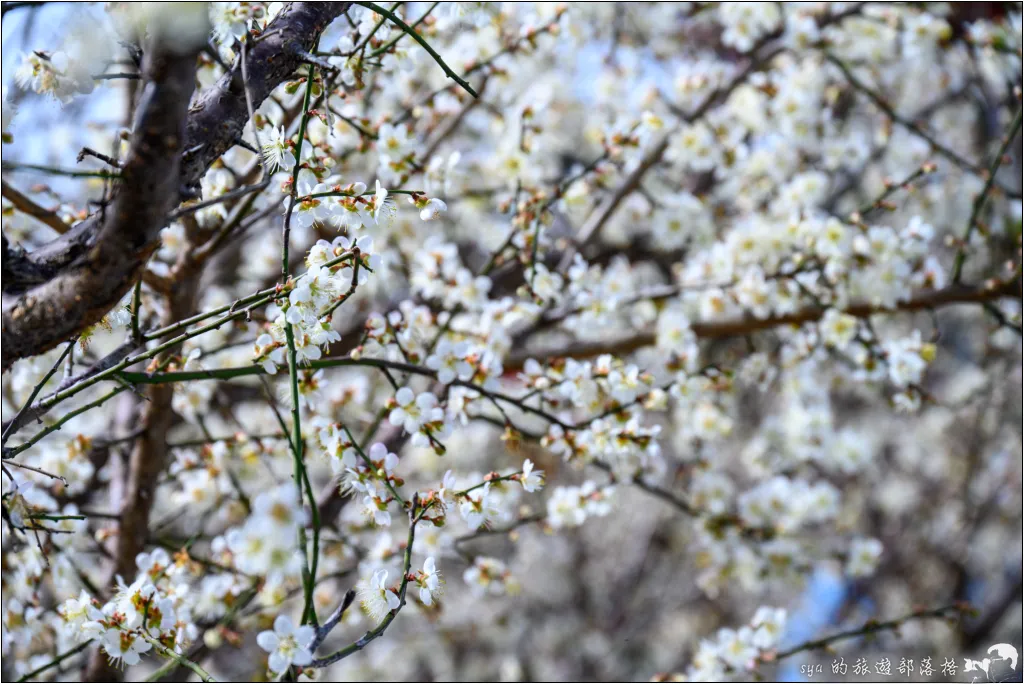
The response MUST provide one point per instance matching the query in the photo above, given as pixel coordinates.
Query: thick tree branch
(218, 116)
(76, 279)
(123, 235)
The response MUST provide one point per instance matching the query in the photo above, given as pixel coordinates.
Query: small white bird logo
(1004, 652)
(1000, 652)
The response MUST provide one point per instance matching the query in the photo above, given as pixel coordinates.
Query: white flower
(384, 209)
(348, 214)
(393, 143)
(432, 209)
(447, 485)
(838, 329)
(863, 557)
(449, 360)
(478, 507)
(769, 624)
(277, 153)
(231, 20)
(269, 353)
(165, 610)
(531, 481)
(77, 612)
(55, 74)
(286, 644)
(314, 291)
(414, 412)
(626, 384)
(124, 646)
(379, 454)
(546, 284)
(676, 337)
(279, 509)
(308, 209)
(570, 506)
(374, 503)
(430, 582)
(736, 647)
(377, 600)
(488, 576)
(906, 365)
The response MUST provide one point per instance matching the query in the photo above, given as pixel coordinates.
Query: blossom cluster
(674, 308)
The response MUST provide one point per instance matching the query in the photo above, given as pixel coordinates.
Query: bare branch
(25, 205)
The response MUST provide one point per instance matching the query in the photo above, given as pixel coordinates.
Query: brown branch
(26, 206)
(744, 326)
(217, 118)
(952, 613)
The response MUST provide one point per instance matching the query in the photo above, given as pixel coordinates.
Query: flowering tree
(581, 341)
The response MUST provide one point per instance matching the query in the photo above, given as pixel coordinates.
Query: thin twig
(414, 518)
(419, 39)
(25, 205)
(181, 660)
(56, 661)
(226, 197)
(872, 627)
(911, 126)
(12, 427)
(982, 197)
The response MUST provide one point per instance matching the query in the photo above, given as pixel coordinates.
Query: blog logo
(1004, 654)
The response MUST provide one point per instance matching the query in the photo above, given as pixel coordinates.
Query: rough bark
(72, 282)
(122, 235)
(133, 495)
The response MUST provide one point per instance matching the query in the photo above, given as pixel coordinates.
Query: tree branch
(85, 273)
(26, 206)
(873, 627)
(120, 237)
(957, 294)
(218, 116)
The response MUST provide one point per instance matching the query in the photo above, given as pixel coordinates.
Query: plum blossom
(377, 599)
(286, 644)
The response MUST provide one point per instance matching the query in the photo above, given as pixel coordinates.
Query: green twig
(297, 444)
(248, 304)
(419, 39)
(11, 453)
(181, 660)
(391, 43)
(56, 171)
